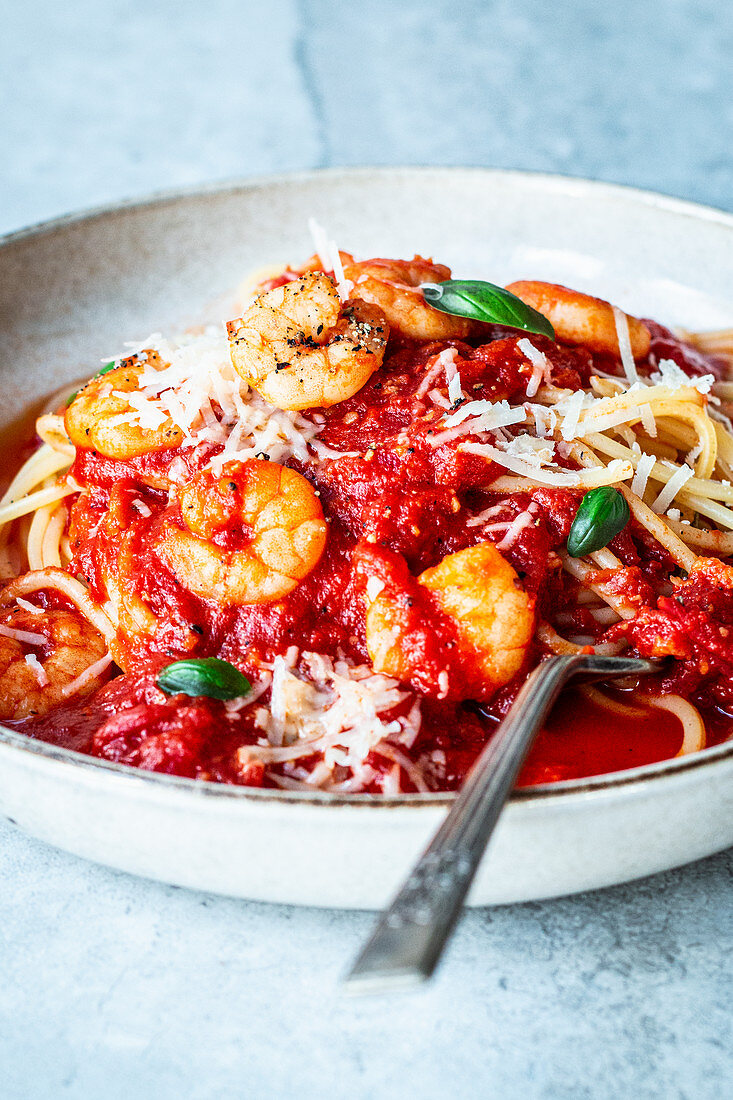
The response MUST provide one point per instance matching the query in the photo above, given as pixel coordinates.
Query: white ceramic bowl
(73, 290)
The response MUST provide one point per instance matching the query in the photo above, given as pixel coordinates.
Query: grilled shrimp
(93, 417)
(301, 348)
(279, 522)
(394, 286)
(581, 319)
(491, 615)
(61, 646)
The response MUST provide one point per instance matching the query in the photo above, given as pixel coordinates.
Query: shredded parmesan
(333, 709)
(432, 373)
(87, 676)
(643, 470)
(476, 417)
(444, 362)
(40, 673)
(648, 421)
(534, 466)
(330, 258)
(487, 514)
(452, 377)
(25, 636)
(541, 368)
(671, 489)
(520, 523)
(200, 391)
(26, 605)
(694, 453)
(624, 344)
(571, 407)
(669, 374)
(545, 420)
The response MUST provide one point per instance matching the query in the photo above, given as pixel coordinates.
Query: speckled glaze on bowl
(73, 290)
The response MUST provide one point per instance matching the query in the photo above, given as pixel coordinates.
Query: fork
(412, 933)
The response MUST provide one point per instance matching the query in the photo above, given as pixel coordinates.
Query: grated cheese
(335, 709)
(487, 514)
(26, 605)
(41, 675)
(643, 470)
(694, 453)
(452, 377)
(624, 344)
(520, 523)
(648, 422)
(200, 391)
(87, 676)
(671, 489)
(26, 636)
(330, 258)
(669, 374)
(534, 467)
(545, 420)
(541, 367)
(571, 408)
(437, 398)
(436, 368)
(483, 416)
(455, 392)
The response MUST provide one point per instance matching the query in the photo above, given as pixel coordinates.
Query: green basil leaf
(603, 512)
(203, 676)
(485, 302)
(107, 367)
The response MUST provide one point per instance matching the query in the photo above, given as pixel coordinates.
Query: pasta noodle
(134, 517)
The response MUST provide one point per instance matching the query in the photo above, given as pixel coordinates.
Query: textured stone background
(104, 100)
(112, 987)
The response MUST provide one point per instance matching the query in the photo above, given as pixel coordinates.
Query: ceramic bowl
(74, 290)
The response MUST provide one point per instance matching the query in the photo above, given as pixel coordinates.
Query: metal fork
(411, 934)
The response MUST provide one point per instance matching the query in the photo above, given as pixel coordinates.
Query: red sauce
(397, 509)
(583, 739)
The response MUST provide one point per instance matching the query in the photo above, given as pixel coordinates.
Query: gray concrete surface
(113, 987)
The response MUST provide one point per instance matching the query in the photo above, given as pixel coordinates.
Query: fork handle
(409, 937)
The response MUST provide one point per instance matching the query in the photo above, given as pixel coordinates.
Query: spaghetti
(385, 567)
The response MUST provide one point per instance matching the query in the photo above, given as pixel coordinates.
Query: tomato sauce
(395, 507)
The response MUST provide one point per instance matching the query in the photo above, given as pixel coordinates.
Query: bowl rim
(157, 781)
(609, 782)
(545, 180)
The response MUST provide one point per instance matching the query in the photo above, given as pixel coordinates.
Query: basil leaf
(107, 367)
(603, 512)
(485, 302)
(203, 676)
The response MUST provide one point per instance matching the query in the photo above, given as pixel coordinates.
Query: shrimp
(394, 286)
(93, 418)
(301, 348)
(128, 612)
(581, 319)
(490, 620)
(278, 521)
(61, 646)
(116, 556)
